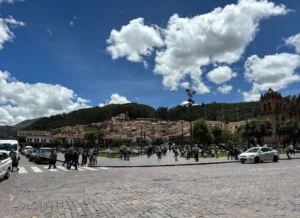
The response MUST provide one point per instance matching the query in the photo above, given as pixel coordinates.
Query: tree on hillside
(162, 113)
(201, 132)
(217, 133)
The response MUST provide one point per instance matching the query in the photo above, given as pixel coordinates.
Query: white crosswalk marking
(79, 169)
(89, 168)
(51, 170)
(36, 169)
(62, 168)
(104, 168)
(22, 170)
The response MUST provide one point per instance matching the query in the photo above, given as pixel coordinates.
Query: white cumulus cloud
(134, 41)
(10, 1)
(115, 99)
(190, 44)
(294, 41)
(5, 33)
(221, 74)
(272, 71)
(225, 89)
(20, 101)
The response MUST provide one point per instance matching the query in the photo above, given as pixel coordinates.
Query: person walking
(217, 151)
(128, 153)
(287, 150)
(66, 158)
(70, 159)
(53, 157)
(176, 153)
(75, 158)
(84, 157)
(15, 160)
(197, 153)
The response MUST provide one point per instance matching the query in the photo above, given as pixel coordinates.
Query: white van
(9, 145)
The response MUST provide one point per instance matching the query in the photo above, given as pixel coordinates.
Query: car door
(263, 154)
(270, 153)
(2, 164)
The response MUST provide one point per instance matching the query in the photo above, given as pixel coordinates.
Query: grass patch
(118, 155)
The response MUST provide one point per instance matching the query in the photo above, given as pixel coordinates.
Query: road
(223, 190)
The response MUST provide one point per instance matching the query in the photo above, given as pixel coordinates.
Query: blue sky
(49, 50)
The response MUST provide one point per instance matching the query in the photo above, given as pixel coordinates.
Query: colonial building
(232, 127)
(273, 110)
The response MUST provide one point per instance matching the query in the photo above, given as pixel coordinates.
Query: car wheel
(242, 162)
(7, 175)
(275, 158)
(256, 160)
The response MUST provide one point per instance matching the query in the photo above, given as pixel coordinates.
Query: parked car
(31, 156)
(26, 149)
(5, 164)
(42, 155)
(259, 154)
(27, 152)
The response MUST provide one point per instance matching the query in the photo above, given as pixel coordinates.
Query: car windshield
(45, 151)
(253, 150)
(8, 147)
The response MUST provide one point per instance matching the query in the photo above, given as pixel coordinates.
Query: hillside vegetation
(227, 112)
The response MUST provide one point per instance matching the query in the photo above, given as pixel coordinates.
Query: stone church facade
(273, 110)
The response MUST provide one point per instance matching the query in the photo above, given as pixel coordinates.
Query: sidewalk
(169, 160)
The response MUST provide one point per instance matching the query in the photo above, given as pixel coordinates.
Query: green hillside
(229, 112)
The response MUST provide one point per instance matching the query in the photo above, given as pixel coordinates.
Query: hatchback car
(259, 154)
(5, 164)
(42, 155)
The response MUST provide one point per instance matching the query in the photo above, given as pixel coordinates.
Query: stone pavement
(165, 161)
(223, 190)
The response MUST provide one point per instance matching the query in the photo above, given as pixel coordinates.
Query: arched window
(290, 114)
(269, 106)
(265, 107)
(276, 106)
(283, 118)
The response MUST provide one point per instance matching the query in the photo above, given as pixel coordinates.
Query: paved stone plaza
(222, 190)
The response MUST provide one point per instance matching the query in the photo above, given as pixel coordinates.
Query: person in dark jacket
(75, 159)
(15, 160)
(66, 158)
(53, 157)
(69, 159)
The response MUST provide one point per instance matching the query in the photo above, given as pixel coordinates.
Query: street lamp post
(181, 134)
(141, 139)
(190, 93)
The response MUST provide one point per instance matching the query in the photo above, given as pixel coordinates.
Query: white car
(5, 164)
(259, 154)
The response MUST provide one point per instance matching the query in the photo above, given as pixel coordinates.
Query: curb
(173, 165)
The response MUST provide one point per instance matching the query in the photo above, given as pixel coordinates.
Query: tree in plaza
(159, 141)
(57, 142)
(217, 133)
(258, 129)
(94, 134)
(290, 130)
(201, 132)
(116, 144)
(226, 135)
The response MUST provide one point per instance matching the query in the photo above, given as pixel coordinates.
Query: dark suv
(42, 155)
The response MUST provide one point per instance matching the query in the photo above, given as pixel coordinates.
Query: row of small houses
(43, 137)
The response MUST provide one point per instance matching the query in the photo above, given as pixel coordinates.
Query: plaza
(221, 190)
